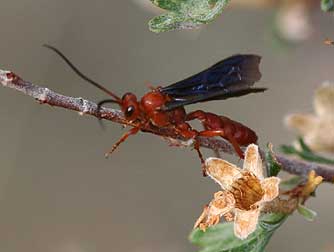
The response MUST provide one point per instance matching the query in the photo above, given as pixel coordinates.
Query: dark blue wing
(230, 77)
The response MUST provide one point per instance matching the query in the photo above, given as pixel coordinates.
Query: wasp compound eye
(129, 111)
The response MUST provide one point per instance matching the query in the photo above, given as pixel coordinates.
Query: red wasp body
(236, 133)
(148, 110)
(163, 107)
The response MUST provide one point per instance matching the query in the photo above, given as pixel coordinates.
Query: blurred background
(57, 191)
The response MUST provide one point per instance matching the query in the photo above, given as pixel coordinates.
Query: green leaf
(185, 14)
(221, 238)
(305, 154)
(303, 145)
(327, 5)
(288, 149)
(170, 5)
(170, 21)
(309, 156)
(306, 212)
(273, 167)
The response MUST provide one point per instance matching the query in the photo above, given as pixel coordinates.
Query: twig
(47, 96)
(278, 205)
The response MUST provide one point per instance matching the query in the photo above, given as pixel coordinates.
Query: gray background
(59, 193)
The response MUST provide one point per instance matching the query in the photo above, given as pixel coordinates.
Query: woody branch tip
(46, 96)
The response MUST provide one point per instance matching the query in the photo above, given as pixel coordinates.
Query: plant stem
(46, 96)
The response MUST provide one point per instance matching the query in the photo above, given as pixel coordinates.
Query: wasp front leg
(132, 131)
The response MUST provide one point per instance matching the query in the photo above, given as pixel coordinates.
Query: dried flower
(311, 184)
(317, 130)
(244, 192)
(293, 20)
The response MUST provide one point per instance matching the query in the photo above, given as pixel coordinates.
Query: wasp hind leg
(230, 138)
(185, 130)
(200, 155)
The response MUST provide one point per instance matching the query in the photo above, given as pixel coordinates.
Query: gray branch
(46, 96)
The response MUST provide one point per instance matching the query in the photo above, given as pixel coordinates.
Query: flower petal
(321, 139)
(253, 162)
(304, 123)
(245, 222)
(222, 203)
(201, 219)
(270, 187)
(311, 184)
(324, 100)
(221, 171)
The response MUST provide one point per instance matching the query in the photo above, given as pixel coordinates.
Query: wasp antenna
(99, 106)
(78, 72)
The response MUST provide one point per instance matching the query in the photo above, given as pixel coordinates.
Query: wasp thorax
(247, 191)
(153, 101)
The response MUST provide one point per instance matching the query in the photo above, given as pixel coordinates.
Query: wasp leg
(132, 131)
(198, 114)
(230, 138)
(151, 87)
(185, 130)
(200, 155)
(236, 146)
(205, 118)
(215, 151)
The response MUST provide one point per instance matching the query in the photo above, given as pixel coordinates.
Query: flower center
(247, 190)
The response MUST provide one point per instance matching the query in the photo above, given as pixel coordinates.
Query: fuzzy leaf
(170, 5)
(327, 5)
(221, 238)
(306, 212)
(185, 14)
